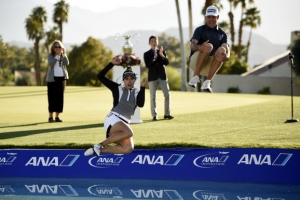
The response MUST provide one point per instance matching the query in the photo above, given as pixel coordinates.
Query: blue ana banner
(238, 165)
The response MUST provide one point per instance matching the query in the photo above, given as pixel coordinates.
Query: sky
(279, 18)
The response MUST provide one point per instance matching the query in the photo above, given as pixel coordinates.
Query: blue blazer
(156, 69)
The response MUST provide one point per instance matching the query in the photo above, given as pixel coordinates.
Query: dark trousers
(56, 94)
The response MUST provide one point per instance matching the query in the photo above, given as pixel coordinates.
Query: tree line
(91, 56)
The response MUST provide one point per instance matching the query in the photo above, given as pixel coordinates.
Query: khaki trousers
(205, 69)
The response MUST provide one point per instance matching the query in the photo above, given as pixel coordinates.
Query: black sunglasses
(57, 47)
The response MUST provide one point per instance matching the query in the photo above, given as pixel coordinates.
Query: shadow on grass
(158, 120)
(44, 92)
(9, 135)
(24, 125)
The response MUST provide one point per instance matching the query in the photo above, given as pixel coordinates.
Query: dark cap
(129, 72)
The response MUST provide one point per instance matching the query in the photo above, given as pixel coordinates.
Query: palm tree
(231, 18)
(34, 25)
(224, 25)
(60, 15)
(243, 6)
(51, 35)
(206, 4)
(190, 18)
(253, 20)
(183, 62)
(190, 30)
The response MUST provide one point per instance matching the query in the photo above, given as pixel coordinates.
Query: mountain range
(83, 23)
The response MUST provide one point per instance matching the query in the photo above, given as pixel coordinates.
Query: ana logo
(68, 161)
(280, 160)
(7, 189)
(207, 194)
(258, 198)
(160, 160)
(7, 160)
(211, 160)
(105, 161)
(156, 194)
(68, 190)
(105, 191)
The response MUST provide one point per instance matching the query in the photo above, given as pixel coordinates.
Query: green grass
(214, 120)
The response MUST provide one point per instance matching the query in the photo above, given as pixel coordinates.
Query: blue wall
(237, 165)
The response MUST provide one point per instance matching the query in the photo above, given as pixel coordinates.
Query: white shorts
(110, 120)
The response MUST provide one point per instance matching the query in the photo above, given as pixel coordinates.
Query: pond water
(95, 188)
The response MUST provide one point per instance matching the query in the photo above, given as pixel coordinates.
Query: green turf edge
(149, 146)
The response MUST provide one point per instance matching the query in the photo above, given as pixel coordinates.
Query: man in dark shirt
(209, 49)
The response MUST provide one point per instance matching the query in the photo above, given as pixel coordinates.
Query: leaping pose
(209, 49)
(116, 124)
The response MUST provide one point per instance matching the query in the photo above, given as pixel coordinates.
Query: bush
(6, 77)
(25, 80)
(174, 78)
(265, 90)
(233, 90)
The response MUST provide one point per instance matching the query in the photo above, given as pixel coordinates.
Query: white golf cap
(212, 11)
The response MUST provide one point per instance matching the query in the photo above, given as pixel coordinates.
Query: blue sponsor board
(239, 165)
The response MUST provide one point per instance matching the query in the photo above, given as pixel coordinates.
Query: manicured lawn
(201, 120)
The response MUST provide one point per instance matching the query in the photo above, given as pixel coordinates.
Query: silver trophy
(127, 46)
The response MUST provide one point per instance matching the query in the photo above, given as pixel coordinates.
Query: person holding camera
(56, 80)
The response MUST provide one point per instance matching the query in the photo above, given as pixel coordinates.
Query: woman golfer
(116, 124)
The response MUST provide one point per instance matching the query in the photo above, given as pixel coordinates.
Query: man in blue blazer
(155, 60)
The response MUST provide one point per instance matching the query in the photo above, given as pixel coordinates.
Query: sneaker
(193, 82)
(50, 120)
(95, 150)
(206, 86)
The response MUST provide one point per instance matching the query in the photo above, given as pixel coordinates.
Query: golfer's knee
(128, 149)
(203, 55)
(128, 133)
(210, 46)
(221, 50)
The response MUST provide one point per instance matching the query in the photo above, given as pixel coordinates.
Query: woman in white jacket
(56, 80)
